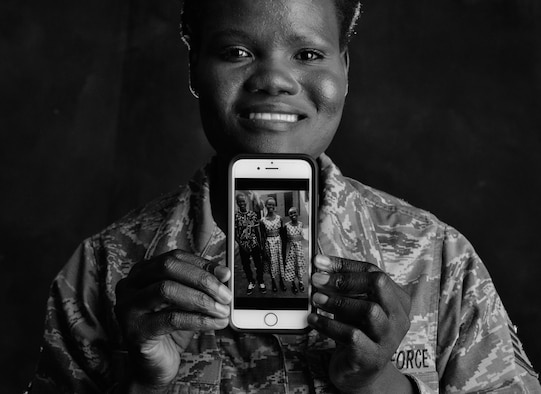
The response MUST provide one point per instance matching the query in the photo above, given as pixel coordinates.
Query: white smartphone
(271, 241)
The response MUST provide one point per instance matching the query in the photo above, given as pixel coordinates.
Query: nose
(274, 77)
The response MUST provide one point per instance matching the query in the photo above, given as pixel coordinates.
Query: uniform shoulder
(379, 200)
(141, 224)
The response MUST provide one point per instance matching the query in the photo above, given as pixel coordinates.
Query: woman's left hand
(371, 317)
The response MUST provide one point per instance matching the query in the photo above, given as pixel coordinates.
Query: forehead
(274, 20)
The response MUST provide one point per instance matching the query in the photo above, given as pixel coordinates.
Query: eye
(235, 54)
(309, 55)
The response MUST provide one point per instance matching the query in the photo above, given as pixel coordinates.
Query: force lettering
(416, 358)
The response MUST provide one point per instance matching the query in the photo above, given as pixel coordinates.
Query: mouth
(273, 117)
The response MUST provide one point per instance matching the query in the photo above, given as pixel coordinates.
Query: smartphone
(271, 241)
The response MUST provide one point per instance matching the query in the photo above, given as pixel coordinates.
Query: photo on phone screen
(271, 227)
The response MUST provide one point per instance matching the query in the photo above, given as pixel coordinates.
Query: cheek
(216, 98)
(215, 91)
(328, 93)
(219, 86)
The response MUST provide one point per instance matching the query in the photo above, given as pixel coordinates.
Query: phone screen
(274, 240)
(270, 252)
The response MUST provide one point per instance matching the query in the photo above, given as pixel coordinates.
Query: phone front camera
(258, 168)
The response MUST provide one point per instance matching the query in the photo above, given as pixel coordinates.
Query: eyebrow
(308, 38)
(243, 35)
(231, 33)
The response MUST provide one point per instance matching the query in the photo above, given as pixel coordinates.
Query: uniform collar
(189, 225)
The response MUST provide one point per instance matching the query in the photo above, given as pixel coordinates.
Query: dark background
(96, 118)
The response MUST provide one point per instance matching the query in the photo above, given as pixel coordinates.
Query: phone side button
(271, 319)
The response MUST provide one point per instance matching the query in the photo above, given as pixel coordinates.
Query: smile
(275, 117)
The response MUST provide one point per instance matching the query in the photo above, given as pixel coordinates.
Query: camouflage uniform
(460, 339)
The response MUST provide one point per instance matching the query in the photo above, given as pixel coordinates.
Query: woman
(295, 261)
(272, 228)
(142, 306)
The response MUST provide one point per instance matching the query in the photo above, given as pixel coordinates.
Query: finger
(352, 285)
(366, 315)
(150, 268)
(374, 286)
(222, 272)
(338, 264)
(344, 334)
(194, 260)
(169, 294)
(170, 267)
(170, 320)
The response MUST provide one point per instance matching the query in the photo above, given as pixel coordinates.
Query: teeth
(274, 117)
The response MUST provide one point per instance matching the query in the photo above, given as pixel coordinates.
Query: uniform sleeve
(478, 349)
(76, 353)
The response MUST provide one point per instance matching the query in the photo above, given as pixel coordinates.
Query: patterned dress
(273, 247)
(295, 261)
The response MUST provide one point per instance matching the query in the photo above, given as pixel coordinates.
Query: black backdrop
(96, 118)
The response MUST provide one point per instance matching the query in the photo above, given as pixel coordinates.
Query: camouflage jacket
(460, 340)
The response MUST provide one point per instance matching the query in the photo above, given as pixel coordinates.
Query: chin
(273, 145)
(265, 144)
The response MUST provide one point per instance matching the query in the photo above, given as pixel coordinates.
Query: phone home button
(271, 319)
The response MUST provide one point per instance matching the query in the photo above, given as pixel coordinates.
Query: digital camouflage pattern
(460, 339)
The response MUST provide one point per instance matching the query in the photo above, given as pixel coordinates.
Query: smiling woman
(143, 307)
(268, 78)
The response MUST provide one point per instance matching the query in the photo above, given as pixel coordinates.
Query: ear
(345, 62)
(192, 70)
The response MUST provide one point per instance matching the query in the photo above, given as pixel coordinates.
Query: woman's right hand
(159, 306)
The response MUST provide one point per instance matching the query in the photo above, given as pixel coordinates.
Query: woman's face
(270, 205)
(293, 215)
(270, 75)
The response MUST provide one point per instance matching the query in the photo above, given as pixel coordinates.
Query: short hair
(270, 199)
(292, 209)
(348, 12)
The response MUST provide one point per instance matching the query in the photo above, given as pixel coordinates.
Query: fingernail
(222, 273)
(222, 323)
(312, 318)
(320, 278)
(320, 299)
(322, 262)
(223, 310)
(225, 294)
